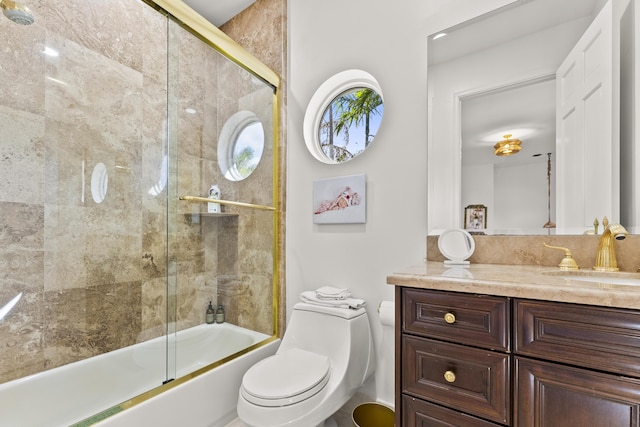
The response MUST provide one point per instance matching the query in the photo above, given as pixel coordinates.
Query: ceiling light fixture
(507, 147)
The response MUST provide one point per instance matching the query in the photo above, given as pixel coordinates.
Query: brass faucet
(567, 263)
(606, 255)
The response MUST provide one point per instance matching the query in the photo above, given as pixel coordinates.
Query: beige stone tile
(23, 63)
(22, 156)
(21, 333)
(103, 28)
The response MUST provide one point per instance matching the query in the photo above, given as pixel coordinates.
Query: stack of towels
(332, 297)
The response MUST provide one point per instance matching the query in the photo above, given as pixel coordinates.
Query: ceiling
(516, 20)
(531, 108)
(219, 12)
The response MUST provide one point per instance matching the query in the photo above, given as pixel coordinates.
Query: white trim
(324, 96)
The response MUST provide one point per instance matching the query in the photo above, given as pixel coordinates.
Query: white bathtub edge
(208, 400)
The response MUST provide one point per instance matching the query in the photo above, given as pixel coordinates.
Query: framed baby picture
(340, 200)
(475, 217)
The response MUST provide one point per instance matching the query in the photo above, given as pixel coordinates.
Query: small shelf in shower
(226, 203)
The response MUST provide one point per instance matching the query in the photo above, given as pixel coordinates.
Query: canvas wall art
(340, 200)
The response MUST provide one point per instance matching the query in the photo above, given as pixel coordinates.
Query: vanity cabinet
(478, 360)
(576, 365)
(454, 353)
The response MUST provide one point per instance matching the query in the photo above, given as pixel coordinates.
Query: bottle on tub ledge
(220, 314)
(210, 314)
(214, 193)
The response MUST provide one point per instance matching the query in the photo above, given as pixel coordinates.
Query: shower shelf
(212, 214)
(226, 202)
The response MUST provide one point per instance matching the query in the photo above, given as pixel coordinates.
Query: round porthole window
(343, 116)
(240, 145)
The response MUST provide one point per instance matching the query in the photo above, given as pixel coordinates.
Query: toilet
(326, 354)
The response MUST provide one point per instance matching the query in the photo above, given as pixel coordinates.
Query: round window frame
(328, 91)
(231, 131)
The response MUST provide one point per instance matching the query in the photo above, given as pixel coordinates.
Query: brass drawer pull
(450, 318)
(449, 376)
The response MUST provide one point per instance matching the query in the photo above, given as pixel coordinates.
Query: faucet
(606, 255)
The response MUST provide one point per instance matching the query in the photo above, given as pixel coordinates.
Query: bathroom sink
(630, 279)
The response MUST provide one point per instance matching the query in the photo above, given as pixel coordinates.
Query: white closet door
(584, 133)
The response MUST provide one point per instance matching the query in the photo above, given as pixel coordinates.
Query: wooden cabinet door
(418, 413)
(472, 380)
(550, 395)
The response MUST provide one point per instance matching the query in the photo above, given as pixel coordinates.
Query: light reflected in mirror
(350, 123)
(494, 59)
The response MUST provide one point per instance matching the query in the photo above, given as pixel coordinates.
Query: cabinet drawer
(549, 394)
(477, 380)
(596, 337)
(418, 413)
(480, 321)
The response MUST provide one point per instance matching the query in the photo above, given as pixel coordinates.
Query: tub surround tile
(154, 245)
(153, 309)
(23, 64)
(104, 29)
(22, 155)
(154, 53)
(104, 318)
(21, 351)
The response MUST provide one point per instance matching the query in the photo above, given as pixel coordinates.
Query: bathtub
(74, 392)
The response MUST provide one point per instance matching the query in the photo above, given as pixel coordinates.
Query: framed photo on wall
(340, 200)
(475, 217)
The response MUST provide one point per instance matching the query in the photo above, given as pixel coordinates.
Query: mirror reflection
(497, 76)
(349, 124)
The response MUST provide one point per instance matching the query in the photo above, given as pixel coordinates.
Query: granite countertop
(522, 281)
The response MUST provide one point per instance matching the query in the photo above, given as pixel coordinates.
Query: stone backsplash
(530, 250)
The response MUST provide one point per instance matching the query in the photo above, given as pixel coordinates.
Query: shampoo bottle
(214, 193)
(210, 318)
(220, 314)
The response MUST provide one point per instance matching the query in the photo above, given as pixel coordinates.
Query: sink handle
(567, 263)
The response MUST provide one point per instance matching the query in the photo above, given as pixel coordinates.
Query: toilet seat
(286, 378)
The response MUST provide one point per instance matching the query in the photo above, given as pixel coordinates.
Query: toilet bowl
(325, 356)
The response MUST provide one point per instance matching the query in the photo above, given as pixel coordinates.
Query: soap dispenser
(220, 314)
(210, 314)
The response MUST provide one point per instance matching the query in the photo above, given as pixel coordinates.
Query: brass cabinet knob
(449, 376)
(450, 318)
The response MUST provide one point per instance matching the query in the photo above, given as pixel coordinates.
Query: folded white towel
(311, 298)
(329, 292)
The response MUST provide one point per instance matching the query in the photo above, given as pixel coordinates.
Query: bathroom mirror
(456, 245)
(491, 57)
(343, 117)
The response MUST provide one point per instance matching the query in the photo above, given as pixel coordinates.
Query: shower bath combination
(17, 12)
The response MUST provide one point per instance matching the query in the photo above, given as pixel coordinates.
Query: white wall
(388, 40)
(517, 187)
(477, 186)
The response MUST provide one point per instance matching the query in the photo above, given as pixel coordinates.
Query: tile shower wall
(87, 84)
